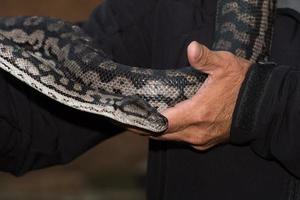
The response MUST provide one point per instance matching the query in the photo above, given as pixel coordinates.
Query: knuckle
(226, 55)
(196, 139)
(228, 62)
(200, 148)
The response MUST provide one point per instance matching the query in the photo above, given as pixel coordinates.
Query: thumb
(203, 59)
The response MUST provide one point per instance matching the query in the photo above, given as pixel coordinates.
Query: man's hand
(204, 120)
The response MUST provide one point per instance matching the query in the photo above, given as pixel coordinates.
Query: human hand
(204, 120)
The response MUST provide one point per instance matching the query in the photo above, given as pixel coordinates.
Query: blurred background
(113, 170)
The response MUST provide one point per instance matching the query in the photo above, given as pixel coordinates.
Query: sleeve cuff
(249, 103)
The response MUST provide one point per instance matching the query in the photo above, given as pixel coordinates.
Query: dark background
(112, 170)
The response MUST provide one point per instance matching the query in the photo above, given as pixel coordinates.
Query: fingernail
(194, 50)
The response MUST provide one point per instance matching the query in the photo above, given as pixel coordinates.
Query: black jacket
(262, 160)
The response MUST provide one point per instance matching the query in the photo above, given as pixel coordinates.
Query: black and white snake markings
(59, 60)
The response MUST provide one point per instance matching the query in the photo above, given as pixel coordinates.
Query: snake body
(59, 60)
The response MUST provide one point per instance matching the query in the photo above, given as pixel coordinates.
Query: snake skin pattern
(60, 61)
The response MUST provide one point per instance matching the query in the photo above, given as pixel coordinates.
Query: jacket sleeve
(267, 114)
(123, 30)
(36, 132)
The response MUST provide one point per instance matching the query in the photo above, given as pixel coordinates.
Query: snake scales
(59, 60)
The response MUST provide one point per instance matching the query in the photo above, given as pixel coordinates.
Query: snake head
(137, 113)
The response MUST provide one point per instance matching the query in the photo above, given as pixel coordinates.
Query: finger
(204, 147)
(179, 116)
(198, 144)
(176, 137)
(191, 135)
(210, 144)
(201, 58)
(139, 131)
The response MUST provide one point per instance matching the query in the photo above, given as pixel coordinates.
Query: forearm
(37, 132)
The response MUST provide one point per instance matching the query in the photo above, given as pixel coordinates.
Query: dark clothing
(263, 161)
(37, 132)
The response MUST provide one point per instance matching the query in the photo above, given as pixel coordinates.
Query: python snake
(59, 60)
